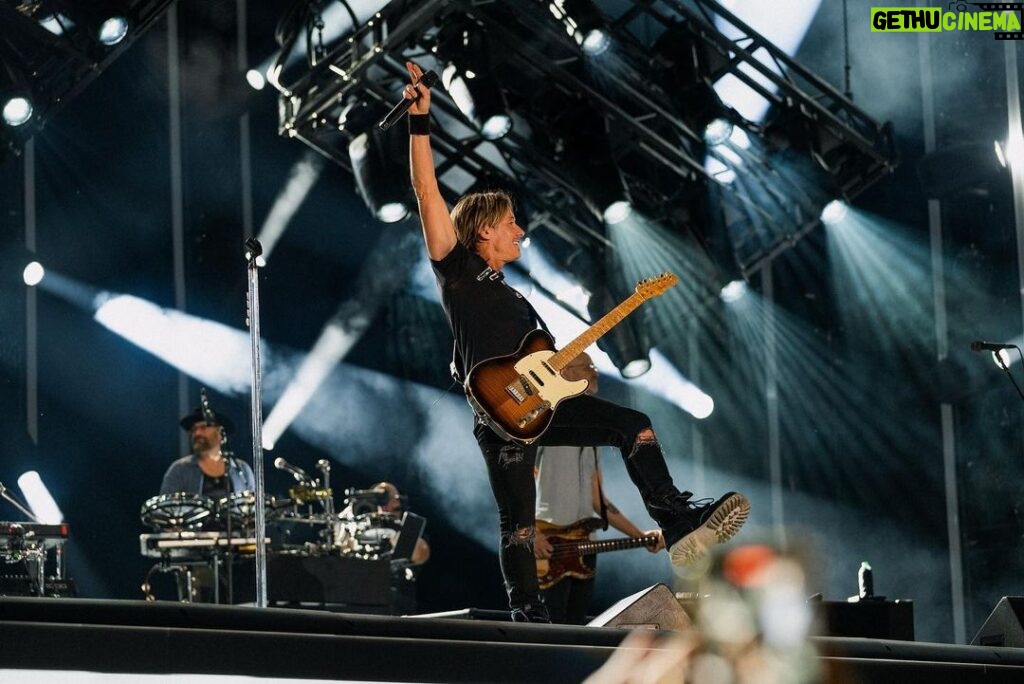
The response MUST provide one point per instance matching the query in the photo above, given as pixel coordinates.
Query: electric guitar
(518, 393)
(572, 543)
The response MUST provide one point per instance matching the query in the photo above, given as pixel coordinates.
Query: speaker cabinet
(653, 608)
(1003, 626)
(869, 619)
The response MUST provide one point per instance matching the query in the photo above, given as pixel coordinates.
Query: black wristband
(419, 124)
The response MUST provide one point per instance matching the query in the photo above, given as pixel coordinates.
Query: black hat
(197, 416)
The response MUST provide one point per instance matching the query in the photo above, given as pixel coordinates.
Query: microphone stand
(229, 553)
(253, 252)
(1006, 368)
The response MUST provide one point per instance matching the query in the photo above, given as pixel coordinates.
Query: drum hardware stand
(14, 502)
(31, 552)
(24, 549)
(183, 580)
(253, 257)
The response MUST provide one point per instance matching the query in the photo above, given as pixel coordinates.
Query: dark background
(859, 393)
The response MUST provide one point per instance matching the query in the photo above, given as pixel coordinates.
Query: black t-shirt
(216, 488)
(487, 317)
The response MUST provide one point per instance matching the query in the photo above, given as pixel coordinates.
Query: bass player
(468, 248)
(569, 496)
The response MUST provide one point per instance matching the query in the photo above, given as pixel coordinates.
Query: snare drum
(178, 511)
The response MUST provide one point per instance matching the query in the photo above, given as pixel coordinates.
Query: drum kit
(191, 530)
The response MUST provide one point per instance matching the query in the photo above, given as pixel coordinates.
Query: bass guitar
(517, 394)
(571, 544)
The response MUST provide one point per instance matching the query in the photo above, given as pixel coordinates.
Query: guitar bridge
(530, 416)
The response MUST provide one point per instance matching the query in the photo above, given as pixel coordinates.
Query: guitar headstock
(656, 286)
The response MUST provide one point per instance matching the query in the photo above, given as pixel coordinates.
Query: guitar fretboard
(562, 358)
(586, 547)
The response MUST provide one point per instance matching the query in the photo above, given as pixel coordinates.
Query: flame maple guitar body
(518, 393)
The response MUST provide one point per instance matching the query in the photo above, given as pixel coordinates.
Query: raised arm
(438, 231)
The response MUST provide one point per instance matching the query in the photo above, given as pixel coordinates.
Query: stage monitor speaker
(653, 608)
(1004, 626)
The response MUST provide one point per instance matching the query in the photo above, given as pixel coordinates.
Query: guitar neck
(587, 546)
(562, 358)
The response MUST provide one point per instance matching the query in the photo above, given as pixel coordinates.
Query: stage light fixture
(685, 67)
(17, 111)
(56, 23)
(377, 175)
(469, 78)
(734, 291)
(834, 212)
(33, 274)
(112, 30)
(718, 131)
(256, 79)
(617, 212)
(585, 23)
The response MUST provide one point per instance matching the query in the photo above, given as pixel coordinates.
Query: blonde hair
(476, 211)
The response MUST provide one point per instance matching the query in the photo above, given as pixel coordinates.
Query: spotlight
(733, 291)
(39, 499)
(57, 24)
(112, 30)
(33, 274)
(376, 170)
(1001, 358)
(635, 368)
(256, 79)
(392, 212)
(496, 127)
(469, 78)
(834, 212)
(596, 42)
(617, 212)
(718, 131)
(585, 23)
(17, 111)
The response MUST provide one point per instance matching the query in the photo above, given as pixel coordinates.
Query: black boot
(691, 527)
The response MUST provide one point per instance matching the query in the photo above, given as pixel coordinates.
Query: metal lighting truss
(544, 71)
(56, 68)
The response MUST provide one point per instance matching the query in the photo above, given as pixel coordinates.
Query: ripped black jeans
(581, 421)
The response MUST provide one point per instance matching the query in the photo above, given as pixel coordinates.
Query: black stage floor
(170, 638)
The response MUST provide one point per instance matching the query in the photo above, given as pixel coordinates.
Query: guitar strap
(457, 368)
(600, 492)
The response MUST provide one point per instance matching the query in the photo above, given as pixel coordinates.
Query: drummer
(393, 506)
(210, 470)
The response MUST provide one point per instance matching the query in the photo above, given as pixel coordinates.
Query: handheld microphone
(429, 80)
(298, 473)
(979, 345)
